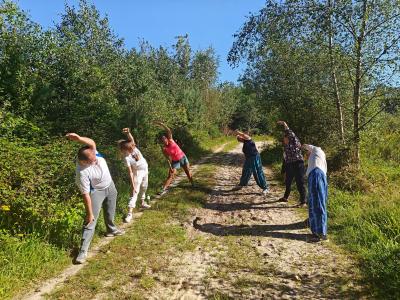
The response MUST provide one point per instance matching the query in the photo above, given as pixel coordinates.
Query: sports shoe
(266, 192)
(145, 205)
(117, 232)
(162, 192)
(283, 199)
(237, 187)
(81, 258)
(324, 238)
(128, 218)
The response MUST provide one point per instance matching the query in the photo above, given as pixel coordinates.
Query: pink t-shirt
(173, 150)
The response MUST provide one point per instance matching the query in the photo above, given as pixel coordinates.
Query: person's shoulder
(101, 160)
(80, 170)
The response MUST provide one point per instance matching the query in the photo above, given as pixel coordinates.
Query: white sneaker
(117, 232)
(265, 192)
(128, 218)
(81, 258)
(145, 205)
(162, 192)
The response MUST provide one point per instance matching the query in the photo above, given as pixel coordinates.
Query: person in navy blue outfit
(252, 164)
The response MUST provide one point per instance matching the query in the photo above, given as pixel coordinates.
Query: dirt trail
(49, 285)
(255, 248)
(248, 246)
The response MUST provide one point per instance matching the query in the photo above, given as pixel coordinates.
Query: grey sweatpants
(107, 199)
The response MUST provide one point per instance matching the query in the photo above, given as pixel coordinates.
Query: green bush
(37, 184)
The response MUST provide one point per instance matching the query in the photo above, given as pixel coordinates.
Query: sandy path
(256, 248)
(49, 285)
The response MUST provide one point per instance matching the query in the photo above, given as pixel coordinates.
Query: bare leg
(171, 177)
(186, 168)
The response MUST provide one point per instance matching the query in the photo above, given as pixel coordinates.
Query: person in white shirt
(137, 170)
(98, 190)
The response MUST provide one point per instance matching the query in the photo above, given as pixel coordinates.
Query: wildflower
(5, 207)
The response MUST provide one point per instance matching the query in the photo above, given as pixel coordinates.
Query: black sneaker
(283, 199)
(314, 239)
(237, 188)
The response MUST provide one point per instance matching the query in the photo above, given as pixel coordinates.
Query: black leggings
(295, 170)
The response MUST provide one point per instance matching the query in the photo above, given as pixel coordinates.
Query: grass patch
(22, 260)
(368, 225)
(146, 251)
(28, 260)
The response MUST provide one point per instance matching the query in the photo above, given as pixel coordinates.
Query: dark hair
(82, 155)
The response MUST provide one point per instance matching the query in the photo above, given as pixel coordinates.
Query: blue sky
(208, 22)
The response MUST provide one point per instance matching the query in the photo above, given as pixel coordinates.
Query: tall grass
(368, 225)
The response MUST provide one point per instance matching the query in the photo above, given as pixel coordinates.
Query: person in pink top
(176, 158)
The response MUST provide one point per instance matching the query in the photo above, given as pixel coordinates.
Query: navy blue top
(249, 148)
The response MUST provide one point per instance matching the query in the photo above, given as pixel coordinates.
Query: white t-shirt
(96, 176)
(136, 165)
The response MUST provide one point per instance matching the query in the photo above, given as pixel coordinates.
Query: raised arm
(81, 139)
(129, 135)
(283, 123)
(167, 129)
(287, 130)
(242, 135)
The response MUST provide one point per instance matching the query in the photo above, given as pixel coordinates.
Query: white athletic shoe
(265, 192)
(162, 192)
(81, 258)
(145, 205)
(117, 232)
(128, 218)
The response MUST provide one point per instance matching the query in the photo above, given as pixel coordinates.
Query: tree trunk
(356, 109)
(334, 77)
(357, 86)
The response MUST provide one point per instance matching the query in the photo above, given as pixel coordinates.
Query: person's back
(249, 148)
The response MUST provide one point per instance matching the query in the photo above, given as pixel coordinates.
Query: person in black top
(293, 164)
(252, 164)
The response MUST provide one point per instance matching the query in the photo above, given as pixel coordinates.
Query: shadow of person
(272, 231)
(243, 206)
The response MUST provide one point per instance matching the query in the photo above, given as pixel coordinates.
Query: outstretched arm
(290, 133)
(128, 134)
(283, 123)
(167, 129)
(81, 139)
(242, 135)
